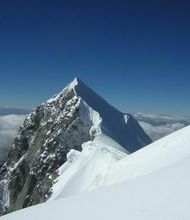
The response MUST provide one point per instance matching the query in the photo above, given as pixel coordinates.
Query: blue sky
(136, 54)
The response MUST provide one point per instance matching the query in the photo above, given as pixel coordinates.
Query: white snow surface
(85, 170)
(100, 165)
(157, 156)
(155, 184)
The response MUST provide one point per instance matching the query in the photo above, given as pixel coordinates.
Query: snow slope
(99, 164)
(156, 156)
(159, 191)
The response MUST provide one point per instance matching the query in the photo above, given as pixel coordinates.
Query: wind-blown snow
(85, 170)
(159, 191)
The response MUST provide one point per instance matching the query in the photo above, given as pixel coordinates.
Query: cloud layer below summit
(9, 125)
(158, 126)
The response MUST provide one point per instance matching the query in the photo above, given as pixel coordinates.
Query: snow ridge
(85, 170)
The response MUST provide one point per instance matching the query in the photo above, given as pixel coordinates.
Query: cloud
(158, 131)
(158, 126)
(9, 125)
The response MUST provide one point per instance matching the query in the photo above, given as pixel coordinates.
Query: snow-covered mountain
(36, 166)
(153, 183)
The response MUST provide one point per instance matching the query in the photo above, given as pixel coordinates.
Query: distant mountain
(14, 111)
(63, 123)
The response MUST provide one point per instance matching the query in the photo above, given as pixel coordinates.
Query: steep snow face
(160, 193)
(66, 121)
(128, 133)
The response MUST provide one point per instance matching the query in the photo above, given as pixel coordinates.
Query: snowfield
(152, 183)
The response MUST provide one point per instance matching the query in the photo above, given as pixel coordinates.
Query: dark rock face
(44, 140)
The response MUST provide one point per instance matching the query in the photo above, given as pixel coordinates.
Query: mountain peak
(76, 82)
(73, 83)
(71, 86)
(113, 124)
